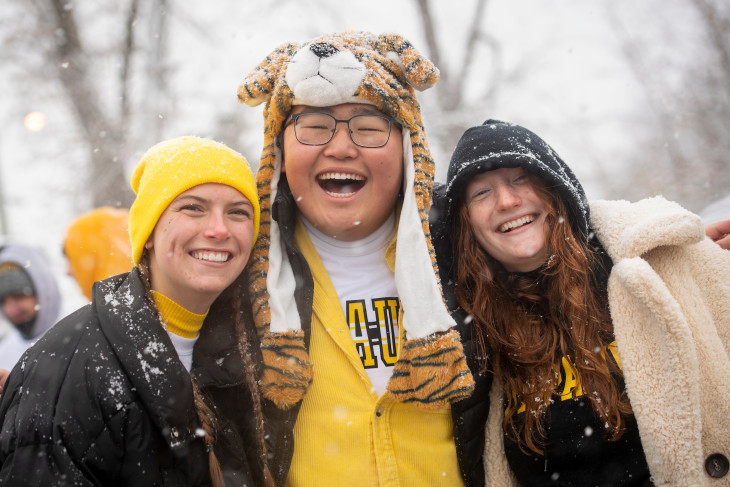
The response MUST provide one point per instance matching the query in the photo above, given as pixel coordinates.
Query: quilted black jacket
(103, 400)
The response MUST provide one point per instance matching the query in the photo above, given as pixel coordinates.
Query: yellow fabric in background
(97, 246)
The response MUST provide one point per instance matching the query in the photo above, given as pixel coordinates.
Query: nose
(216, 227)
(322, 49)
(341, 145)
(507, 197)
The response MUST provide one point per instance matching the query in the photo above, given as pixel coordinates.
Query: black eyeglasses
(314, 128)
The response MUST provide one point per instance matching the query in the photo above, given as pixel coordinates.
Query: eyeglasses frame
(391, 121)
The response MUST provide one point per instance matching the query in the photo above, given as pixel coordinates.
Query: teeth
(341, 175)
(339, 195)
(346, 183)
(211, 256)
(516, 223)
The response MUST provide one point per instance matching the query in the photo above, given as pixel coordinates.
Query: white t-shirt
(184, 348)
(365, 286)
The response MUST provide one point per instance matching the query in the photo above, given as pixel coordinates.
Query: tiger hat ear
(419, 71)
(258, 86)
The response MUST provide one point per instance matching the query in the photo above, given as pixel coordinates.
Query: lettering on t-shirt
(375, 330)
(569, 385)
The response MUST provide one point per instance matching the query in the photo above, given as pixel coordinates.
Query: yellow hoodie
(97, 246)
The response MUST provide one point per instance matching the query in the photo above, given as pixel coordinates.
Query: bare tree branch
(127, 51)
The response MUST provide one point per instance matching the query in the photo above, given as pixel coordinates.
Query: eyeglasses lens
(319, 128)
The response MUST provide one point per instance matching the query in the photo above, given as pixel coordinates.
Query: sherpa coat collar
(670, 304)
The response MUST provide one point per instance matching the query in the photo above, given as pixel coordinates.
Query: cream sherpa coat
(669, 294)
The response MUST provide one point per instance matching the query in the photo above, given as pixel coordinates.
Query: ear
(258, 86)
(419, 71)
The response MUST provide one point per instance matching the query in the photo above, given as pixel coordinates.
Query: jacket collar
(628, 230)
(217, 358)
(147, 356)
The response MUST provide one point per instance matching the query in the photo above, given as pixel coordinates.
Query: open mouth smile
(519, 222)
(211, 256)
(340, 184)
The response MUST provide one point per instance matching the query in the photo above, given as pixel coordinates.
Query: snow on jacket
(103, 399)
(669, 297)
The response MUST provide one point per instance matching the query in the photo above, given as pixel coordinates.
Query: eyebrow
(360, 109)
(242, 202)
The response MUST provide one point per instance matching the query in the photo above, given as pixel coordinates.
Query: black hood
(495, 145)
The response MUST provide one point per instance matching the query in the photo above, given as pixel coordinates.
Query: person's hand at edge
(3, 377)
(719, 232)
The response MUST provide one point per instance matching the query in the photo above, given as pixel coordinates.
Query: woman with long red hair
(606, 325)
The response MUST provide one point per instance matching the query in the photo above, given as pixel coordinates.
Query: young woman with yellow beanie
(153, 382)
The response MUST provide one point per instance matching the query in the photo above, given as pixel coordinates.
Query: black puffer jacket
(469, 415)
(104, 400)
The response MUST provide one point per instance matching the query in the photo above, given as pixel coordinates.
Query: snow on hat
(495, 145)
(97, 246)
(174, 166)
(14, 280)
(383, 71)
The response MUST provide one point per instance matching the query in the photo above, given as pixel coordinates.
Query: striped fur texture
(384, 71)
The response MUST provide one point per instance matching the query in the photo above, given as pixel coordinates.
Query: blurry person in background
(152, 383)
(29, 299)
(97, 246)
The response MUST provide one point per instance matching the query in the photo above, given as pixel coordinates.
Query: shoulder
(627, 229)
(74, 364)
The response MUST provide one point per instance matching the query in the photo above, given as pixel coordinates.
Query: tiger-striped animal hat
(380, 70)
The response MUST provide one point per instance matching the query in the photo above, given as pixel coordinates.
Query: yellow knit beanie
(174, 166)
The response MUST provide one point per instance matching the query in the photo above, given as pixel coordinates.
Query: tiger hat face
(321, 75)
(383, 71)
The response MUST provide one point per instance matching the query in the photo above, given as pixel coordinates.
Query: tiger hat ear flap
(287, 372)
(259, 85)
(431, 370)
(419, 71)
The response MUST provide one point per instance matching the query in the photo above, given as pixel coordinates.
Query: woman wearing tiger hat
(364, 369)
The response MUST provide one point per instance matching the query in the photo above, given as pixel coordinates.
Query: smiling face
(344, 190)
(507, 217)
(200, 244)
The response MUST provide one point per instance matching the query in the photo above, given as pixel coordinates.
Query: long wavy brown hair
(525, 323)
(232, 297)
